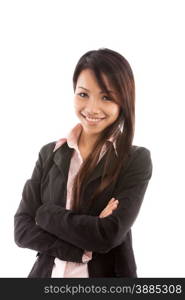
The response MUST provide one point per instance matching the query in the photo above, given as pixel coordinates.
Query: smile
(93, 120)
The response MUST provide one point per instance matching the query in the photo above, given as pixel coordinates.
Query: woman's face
(94, 108)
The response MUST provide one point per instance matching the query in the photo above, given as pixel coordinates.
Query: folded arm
(102, 234)
(28, 234)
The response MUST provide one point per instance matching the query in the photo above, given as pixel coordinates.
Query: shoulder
(140, 152)
(139, 161)
(47, 150)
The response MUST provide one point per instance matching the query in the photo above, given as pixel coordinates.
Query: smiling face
(94, 108)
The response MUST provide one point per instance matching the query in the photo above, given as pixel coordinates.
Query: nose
(93, 106)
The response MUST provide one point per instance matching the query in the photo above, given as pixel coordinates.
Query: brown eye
(82, 95)
(107, 98)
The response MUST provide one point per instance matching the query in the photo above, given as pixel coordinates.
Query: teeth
(90, 119)
(93, 119)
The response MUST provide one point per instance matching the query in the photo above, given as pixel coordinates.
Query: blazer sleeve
(102, 234)
(27, 233)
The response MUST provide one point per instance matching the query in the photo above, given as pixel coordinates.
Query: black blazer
(42, 222)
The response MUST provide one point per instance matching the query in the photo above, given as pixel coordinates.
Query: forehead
(87, 77)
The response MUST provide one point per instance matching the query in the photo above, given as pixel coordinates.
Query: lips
(92, 118)
(92, 121)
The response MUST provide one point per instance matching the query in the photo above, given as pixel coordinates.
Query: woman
(86, 189)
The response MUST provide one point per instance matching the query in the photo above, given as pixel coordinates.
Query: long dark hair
(119, 74)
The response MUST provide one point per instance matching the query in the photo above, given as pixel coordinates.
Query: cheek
(77, 104)
(114, 110)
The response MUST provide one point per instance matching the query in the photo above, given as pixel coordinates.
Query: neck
(87, 141)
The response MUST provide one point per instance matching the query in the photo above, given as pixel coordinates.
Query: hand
(113, 203)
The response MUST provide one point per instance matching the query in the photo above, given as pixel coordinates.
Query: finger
(107, 212)
(110, 210)
(113, 207)
(111, 200)
(113, 203)
(110, 206)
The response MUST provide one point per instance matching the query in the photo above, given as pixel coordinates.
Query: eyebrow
(89, 90)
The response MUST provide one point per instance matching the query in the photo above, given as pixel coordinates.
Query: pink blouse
(62, 268)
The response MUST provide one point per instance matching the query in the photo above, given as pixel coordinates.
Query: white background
(41, 42)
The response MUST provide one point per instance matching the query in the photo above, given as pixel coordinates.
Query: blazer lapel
(62, 159)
